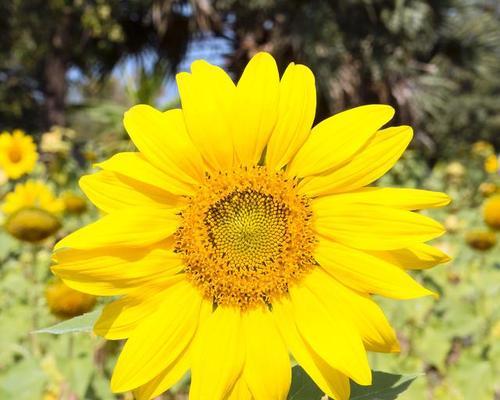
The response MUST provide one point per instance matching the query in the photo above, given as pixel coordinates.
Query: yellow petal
(112, 192)
(240, 391)
(297, 107)
(334, 338)
(120, 318)
(335, 140)
(112, 271)
(406, 199)
(218, 356)
(366, 315)
(134, 227)
(166, 379)
(330, 381)
(159, 340)
(135, 166)
(162, 138)
(418, 256)
(371, 227)
(366, 273)
(267, 367)
(171, 375)
(207, 97)
(369, 164)
(256, 108)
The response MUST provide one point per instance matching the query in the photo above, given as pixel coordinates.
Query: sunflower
(65, 302)
(492, 164)
(481, 240)
(32, 211)
(17, 154)
(491, 211)
(237, 236)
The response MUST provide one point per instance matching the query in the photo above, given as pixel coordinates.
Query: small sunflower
(491, 211)
(65, 302)
(482, 148)
(32, 211)
(239, 234)
(492, 164)
(481, 240)
(17, 154)
(455, 171)
(73, 203)
(487, 189)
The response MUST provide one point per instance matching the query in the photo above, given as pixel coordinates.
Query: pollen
(246, 236)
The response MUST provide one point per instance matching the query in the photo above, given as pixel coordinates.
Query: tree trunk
(55, 90)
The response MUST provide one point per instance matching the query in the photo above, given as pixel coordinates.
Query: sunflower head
(73, 203)
(18, 153)
(455, 171)
(487, 189)
(65, 302)
(482, 148)
(492, 164)
(32, 211)
(481, 240)
(53, 140)
(238, 233)
(32, 224)
(491, 211)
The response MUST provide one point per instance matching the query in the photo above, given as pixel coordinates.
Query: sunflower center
(15, 154)
(246, 236)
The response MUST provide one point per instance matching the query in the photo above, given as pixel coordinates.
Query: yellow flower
(482, 148)
(491, 211)
(491, 164)
(32, 194)
(481, 239)
(65, 302)
(17, 154)
(238, 235)
(53, 140)
(455, 171)
(73, 203)
(32, 211)
(487, 188)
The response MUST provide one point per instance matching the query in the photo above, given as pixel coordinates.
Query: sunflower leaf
(82, 323)
(385, 386)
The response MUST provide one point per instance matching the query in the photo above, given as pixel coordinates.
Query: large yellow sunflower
(17, 154)
(237, 235)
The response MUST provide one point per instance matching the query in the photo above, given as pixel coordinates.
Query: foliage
(45, 39)
(436, 61)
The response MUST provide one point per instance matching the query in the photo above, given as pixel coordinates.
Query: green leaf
(82, 323)
(303, 388)
(385, 386)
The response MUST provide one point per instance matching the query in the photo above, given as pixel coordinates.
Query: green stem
(33, 300)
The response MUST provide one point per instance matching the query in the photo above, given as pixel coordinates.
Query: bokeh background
(70, 68)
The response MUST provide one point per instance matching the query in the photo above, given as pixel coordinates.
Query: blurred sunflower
(238, 234)
(482, 148)
(65, 302)
(53, 141)
(455, 171)
(73, 203)
(492, 164)
(481, 240)
(32, 210)
(487, 188)
(17, 154)
(491, 211)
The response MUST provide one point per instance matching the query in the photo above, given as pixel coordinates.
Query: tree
(438, 62)
(45, 38)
